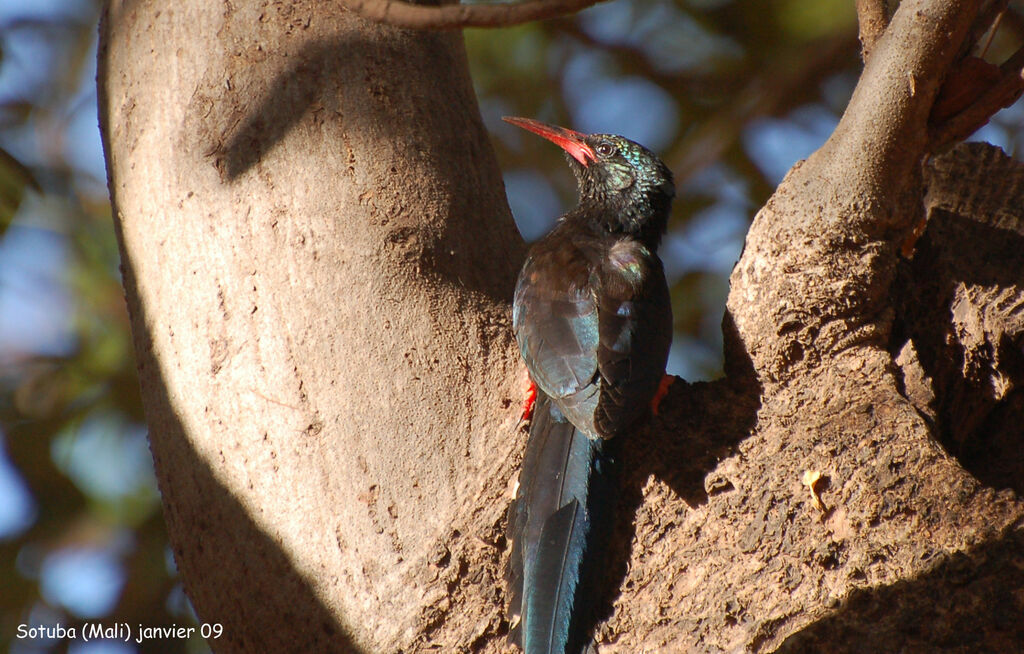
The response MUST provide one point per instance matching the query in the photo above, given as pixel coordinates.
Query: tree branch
(871, 21)
(989, 18)
(885, 126)
(1002, 92)
(457, 16)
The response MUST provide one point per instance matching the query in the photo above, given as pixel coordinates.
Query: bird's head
(622, 184)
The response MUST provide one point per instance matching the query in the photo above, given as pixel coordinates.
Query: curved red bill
(570, 141)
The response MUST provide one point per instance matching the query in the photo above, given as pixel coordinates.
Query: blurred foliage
(15, 179)
(729, 92)
(71, 415)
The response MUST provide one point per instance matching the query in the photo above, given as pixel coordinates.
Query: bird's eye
(605, 149)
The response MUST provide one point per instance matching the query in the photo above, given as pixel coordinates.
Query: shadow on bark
(337, 86)
(218, 539)
(283, 107)
(698, 425)
(959, 302)
(213, 535)
(969, 602)
(218, 548)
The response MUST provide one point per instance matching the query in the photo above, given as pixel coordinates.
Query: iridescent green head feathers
(624, 187)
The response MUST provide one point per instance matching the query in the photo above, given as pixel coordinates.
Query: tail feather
(563, 493)
(551, 588)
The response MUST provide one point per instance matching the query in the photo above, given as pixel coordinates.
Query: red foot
(662, 391)
(531, 400)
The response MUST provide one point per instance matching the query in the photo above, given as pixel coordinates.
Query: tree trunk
(318, 261)
(318, 258)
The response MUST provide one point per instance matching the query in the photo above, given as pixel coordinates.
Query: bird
(593, 320)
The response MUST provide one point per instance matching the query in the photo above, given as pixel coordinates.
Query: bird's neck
(643, 224)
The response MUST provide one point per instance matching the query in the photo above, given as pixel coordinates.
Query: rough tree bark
(318, 261)
(317, 257)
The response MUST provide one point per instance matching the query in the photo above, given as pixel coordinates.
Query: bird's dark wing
(634, 334)
(555, 319)
(594, 323)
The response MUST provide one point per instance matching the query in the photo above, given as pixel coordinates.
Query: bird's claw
(529, 403)
(659, 395)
